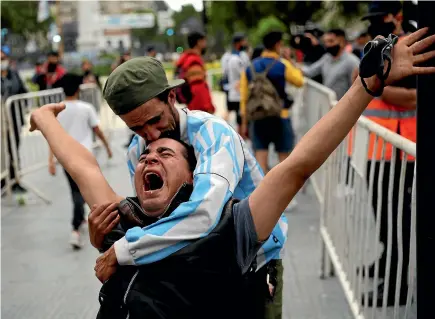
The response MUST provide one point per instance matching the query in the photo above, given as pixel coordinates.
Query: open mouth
(153, 182)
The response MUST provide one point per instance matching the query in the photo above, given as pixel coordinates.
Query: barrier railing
(5, 157)
(368, 221)
(29, 151)
(317, 100)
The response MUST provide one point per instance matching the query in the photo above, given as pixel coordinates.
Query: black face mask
(305, 44)
(51, 67)
(243, 48)
(333, 50)
(87, 72)
(383, 29)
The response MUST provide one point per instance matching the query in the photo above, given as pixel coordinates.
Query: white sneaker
(292, 205)
(75, 240)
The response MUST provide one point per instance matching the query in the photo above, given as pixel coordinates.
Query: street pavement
(43, 278)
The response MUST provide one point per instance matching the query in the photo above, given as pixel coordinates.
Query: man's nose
(151, 159)
(152, 134)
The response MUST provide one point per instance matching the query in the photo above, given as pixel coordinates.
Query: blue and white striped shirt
(225, 168)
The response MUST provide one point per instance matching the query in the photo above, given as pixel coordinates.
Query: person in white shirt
(81, 121)
(238, 61)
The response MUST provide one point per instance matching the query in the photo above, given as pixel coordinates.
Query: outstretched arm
(282, 183)
(74, 157)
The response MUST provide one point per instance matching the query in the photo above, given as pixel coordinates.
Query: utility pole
(425, 174)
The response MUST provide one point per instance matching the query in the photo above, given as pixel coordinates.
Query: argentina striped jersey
(225, 168)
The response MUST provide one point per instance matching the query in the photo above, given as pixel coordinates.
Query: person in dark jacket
(12, 84)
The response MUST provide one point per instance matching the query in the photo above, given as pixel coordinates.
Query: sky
(176, 4)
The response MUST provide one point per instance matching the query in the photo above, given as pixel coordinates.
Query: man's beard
(172, 132)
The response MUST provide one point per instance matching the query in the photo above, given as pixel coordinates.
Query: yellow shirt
(292, 75)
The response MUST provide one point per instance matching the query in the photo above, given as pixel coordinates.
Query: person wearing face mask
(238, 61)
(336, 66)
(11, 84)
(195, 92)
(52, 70)
(395, 110)
(308, 43)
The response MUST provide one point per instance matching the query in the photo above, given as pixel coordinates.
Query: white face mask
(4, 65)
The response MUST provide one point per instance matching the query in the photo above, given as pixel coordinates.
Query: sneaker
(17, 188)
(292, 205)
(75, 240)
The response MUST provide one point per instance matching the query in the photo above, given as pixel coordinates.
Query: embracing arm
(74, 157)
(218, 171)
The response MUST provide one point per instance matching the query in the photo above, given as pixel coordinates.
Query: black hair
(271, 39)
(164, 96)
(338, 32)
(150, 49)
(53, 53)
(188, 154)
(194, 37)
(257, 52)
(70, 83)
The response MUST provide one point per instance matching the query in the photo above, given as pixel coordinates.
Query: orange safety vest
(397, 119)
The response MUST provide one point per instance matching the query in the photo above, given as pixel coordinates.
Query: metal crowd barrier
(5, 158)
(317, 100)
(29, 151)
(366, 201)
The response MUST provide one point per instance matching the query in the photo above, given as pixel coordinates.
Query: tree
(264, 26)
(231, 16)
(21, 18)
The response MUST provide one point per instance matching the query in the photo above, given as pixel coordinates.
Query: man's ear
(172, 98)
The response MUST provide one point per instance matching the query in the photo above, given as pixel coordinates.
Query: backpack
(263, 100)
(183, 92)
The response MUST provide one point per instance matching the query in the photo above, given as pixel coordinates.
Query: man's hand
(43, 111)
(52, 168)
(109, 153)
(102, 219)
(106, 265)
(407, 53)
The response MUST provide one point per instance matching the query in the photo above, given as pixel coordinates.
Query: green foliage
(21, 18)
(266, 25)
(254, 17)
(186, 12)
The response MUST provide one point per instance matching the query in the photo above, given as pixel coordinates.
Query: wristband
(376, 52)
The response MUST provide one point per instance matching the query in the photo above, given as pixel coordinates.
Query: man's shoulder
(79, 105)
(200, 118)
